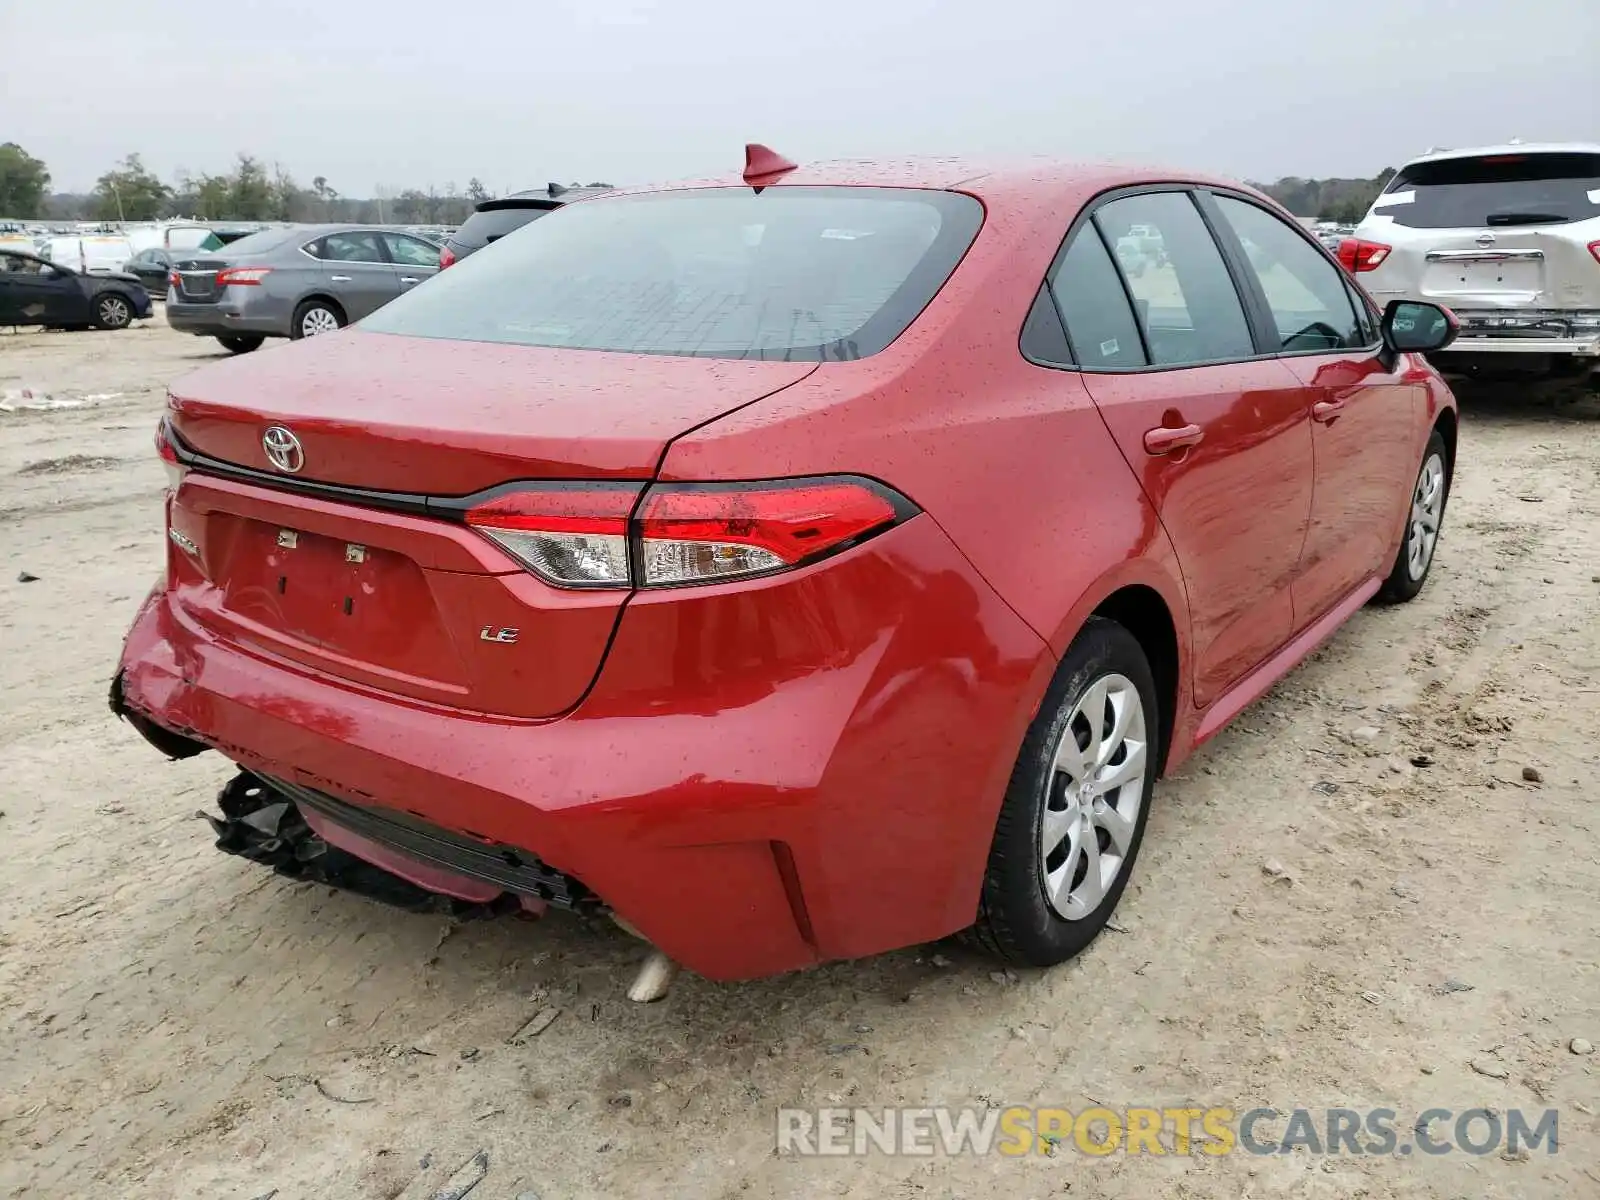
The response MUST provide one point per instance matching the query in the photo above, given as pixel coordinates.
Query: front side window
(1094, 306)
(796, 273)
(1185, 299)
(1364, 317)
(1306, 293)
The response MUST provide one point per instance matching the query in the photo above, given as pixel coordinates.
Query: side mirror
(1413, 326)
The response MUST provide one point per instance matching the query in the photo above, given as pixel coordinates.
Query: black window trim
(1233, 247)
(1257, 313)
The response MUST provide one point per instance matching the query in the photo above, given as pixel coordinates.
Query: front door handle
(1327, 411)
(1164, 439)
(339, 278)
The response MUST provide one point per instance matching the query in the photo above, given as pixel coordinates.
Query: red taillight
(1358, 255)
(242, 276)
(1594, 249)
(447, 258)
(168, 454)
(697, 533)
(173, 280)
(589, 536)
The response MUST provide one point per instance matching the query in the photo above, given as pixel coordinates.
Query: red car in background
(797, 565)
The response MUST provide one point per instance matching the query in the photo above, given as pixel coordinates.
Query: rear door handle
(1327, 411)
(409, 279)
(339, 278)
(1164, 439)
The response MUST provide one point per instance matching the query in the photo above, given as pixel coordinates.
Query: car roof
(337, 227)
(1019, 182)
(1509, 148)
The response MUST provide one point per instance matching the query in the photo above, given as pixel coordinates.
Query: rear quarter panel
(1013, 460)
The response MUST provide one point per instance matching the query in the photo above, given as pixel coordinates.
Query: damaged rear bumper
(764, 776)
(277, 829)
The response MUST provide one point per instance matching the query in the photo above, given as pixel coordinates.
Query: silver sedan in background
(294, 281)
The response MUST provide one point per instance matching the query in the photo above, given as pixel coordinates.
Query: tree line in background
(253, 192)
(1342, 200)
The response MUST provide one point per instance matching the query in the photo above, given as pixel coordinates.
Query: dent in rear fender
(868, 712)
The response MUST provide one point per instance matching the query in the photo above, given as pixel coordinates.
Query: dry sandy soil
(175, 1022)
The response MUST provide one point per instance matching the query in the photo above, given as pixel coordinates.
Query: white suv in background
(1507, 237)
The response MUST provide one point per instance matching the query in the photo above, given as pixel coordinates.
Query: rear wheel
(314, 317)
(241, 344)
(113, 310)
(1428, 496)
(1074, 815)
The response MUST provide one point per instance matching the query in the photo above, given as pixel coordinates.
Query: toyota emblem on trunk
(283, 449)
(1485, 238)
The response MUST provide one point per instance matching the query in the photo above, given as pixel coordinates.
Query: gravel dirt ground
(1315, 920)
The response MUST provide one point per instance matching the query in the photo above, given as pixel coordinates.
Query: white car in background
(1508, 238)
(88, 254)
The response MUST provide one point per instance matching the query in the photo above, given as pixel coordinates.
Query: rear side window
(795, 273)
(1305, 292)
(1183, 294)
(482, 228)
(410, 251)
(351, 247)
(1094, 306)
(1492, 190)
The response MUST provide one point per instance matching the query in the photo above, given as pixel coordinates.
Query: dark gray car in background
(295, 281)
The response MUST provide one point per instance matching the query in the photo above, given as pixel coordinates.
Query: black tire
(113, 310)
(297, 327)
(1405, 579)
(1017, 920)
(241, 343)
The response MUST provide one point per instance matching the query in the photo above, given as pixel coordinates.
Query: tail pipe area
(390, 857)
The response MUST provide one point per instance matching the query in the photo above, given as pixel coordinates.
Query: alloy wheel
(114, 312)
(318, 320)
(1427, 510)
(1094, 791)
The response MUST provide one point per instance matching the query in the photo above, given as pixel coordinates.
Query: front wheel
(315, 317)
(1428, 496)
(240, 343)
(113, 310)
(1074, 815)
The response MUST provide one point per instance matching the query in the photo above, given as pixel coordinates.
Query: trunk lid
(197, 279)
(447, 418)
(1538, 266)
(387, 595)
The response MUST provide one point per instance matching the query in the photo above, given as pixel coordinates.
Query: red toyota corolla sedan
(795, 565)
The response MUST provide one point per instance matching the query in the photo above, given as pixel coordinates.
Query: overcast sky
(404, 93)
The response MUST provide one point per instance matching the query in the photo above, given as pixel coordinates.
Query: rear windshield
(798, 273)
(193, 239)
(482, 228)
(1497, 189)
(261, 242)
